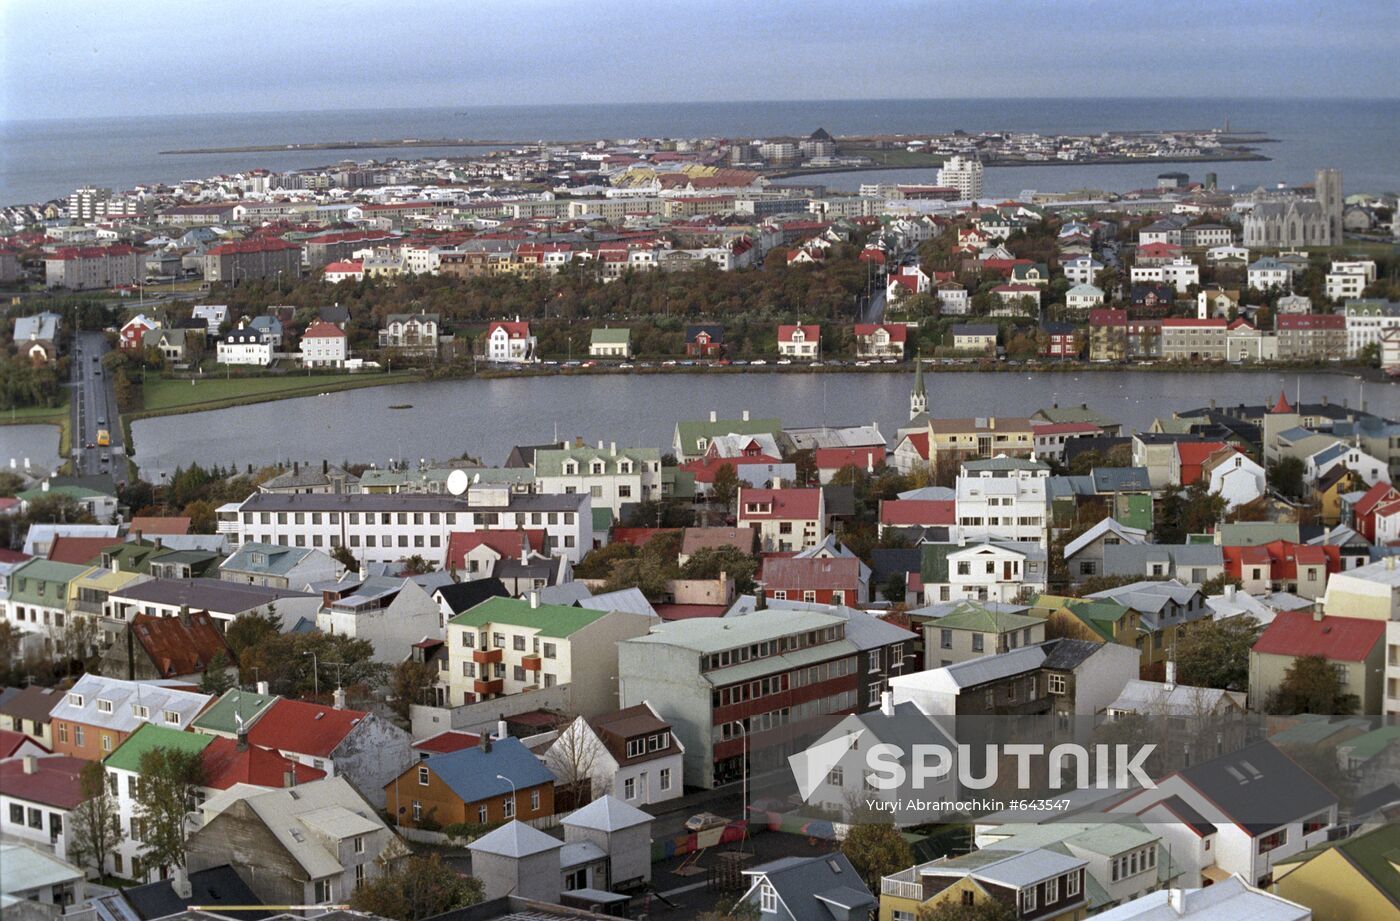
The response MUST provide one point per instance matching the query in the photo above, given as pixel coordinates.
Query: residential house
(1286, 566)
(982, 436)
(505, 646)
(495, 781)
(1353, 646)
(823, 580)
(1348, 878)
(1232, 897)
(631, 754)
(416, 333)
(1084, 297)
(978, 338)
(1039, 883)
(27, 711)
(1311, 336)
(1002, 498)
(799, 341)
(36, 337)
(324, 345)
(988, 571)
(244, 346)
(183, 648)
(276, 566)
(615, 478)
(391, 612)
(692, 438)
(37, 797)
(311, 844)
(97, 714)
(1164, 607)
(972, 630)
(510, 342)
(1108, 334)
(37, 885)
(1084, 556)
(881, 340)
(785, 518)
(808, 888)
(611, 343)
(704, 341)
(1190, 339)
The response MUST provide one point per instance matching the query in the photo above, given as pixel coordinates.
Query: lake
(485, 418)
(37, 443)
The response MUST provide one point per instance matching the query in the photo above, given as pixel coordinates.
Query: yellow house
(1036, 883)
(1344, 880)
(1087, 619)
(982, 436)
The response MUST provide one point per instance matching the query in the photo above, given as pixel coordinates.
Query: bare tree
(573, 758)
(97, 829)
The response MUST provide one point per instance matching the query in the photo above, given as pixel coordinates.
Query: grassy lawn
(162, 397)
(895, 158)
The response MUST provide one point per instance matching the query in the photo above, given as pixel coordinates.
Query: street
(94, 407)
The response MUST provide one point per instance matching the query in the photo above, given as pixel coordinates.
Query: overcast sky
(143, 57)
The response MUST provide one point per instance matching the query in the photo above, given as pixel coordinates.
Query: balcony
(488, 656)
(530, 663)
(483, 686)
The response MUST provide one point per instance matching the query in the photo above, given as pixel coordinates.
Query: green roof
(549, 619)
(1374, 854)
(1370, 744)
(611, 336)
(220, 717)
(1256, 533)
(1135, 511)
(972, 616)
(149, 737)
(691, 432)
(73, 492)
(25, 581)
(1099, 616)
(550, 461)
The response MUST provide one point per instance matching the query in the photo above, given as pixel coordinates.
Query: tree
(709, 562)
(1215, 653)
(1286, 476)
(573, 758)
(416, 566)
(97, 827)
(415, 887)
(170, 779)
(344, 557)
(287, 662)
(1311, 685)
(876, 850)
(988, 909)
(409, 684)
(215, 679)
(251, 630)
(895, 588)
(726, 485)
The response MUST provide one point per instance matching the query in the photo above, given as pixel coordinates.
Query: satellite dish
(457, 482)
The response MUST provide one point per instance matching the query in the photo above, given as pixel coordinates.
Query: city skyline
(550, 53)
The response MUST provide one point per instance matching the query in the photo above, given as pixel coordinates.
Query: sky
(89, 58)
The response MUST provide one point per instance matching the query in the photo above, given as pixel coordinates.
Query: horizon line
(5, 120)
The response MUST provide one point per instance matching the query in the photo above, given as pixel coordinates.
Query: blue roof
(471, 772)
(1117, 479)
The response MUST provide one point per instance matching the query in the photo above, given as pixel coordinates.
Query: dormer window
(597, 467)
(140, 712)
(570, 468)
(767, 898)
(171, 717)
(104, 706)
(75, 700)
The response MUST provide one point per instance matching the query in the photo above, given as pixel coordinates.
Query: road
(94, 407)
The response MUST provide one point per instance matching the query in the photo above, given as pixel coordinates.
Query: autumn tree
(413, 887)
(876, 850)
(1286, 476)
(1311, 685)
(170, 779)
(411, 683)
(1215, 653)
(96, 824)
(344, 557)
(709, 562)
(725, 487)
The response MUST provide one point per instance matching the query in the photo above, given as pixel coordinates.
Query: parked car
(705, 820)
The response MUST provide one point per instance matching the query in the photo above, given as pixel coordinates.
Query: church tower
(918, 397)
(1327, 188)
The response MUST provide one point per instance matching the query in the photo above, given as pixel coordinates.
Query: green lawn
(165, 396)
(895, 158)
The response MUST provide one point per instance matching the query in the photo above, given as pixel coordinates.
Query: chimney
(600, 444)
(1324, 399)
(31, 764)
(136, 532)
(534, 598)
(486, 742)
(502, 731)
(1176, 901)
(289, 778)
(157, 541)
(1212, 402)
(296, 467)
(1229, 592)
(746, 415)
(612, 448)
(992, 422)
(180, 882)
(262, 688)
(338, 699)
(712, 416)
(325, 466)
(1390, 562)
(242, 738)
(777, 482)
(1171, 674)
(1317, 611)
(887, 703)
(44, 486)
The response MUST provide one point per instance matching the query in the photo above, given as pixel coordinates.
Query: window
(36, 818)
(63, 733)
(1056, 683)
(358, 845)
(1275, 840)
(104, 706)
(106, 742)
(508, 807)
(422, 777)
(534, 800)
(1052, 890)
(1028, 899)
(75, 700)
(518, 643)
(872, 694)
(16, 814)
(78, 736)
(1072, 885)
(767, 898)
(629, 788)
(665, 779)
(964, 568)
(171, 717)
(359, 875)
(1316, 823)
(945, 639)
(977, 642)
(417, 810)
(140, 711)
(324, 890)
(481, 815)
(549, 650)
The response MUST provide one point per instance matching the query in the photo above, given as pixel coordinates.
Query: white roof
(27, 870)
(1129, 535)
(607, 813)
(110, 703)
(515, 839)
(630, 600)
(45, 533)
(1228, 900)
(1156, 698)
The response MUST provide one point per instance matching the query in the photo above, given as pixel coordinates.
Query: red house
(830, 460)
(833, 580)
(1363, 513)
(704, 341)
(130, 336)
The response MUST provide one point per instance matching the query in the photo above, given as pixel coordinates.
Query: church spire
(918, 397)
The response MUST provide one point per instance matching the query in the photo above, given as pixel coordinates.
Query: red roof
(836, 458)
(782, 504)
(352, 268)
(706, 467)
(79, 550)
(1373, 497)
(10, 741)
(55, 781)
(179, 645)
(515, 330)
(1191, 455)
(1159, 249)
(1108, 316)
(260, 245)
(304, 728)
(838, 573)
(690, 611)
(12, 556)
(90, 252)
(918, 512)
(160, 524)
(638, 536)
(908, 282)
(225, 764)
(449, 740)
(898, 332)
(1281, 405)
(323, 330)
(810, 331)
(506, 543)
(919, 442)
(1193, 323)
(1338, 639)
(1282, 557)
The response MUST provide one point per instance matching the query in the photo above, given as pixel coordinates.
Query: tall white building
(1002, 498)
(963, 174)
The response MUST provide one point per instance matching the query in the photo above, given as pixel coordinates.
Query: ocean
(42, 160)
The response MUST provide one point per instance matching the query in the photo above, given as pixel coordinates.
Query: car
(625, 366)
(862, 364)
(98, 372)
(758, 361)
(94, 358)
(90, 444)
(589, 364)
(740, 361)
(549, 364)
(101, 420)
(669, 363)
(784, 361)
(702, 821)
(106, 459)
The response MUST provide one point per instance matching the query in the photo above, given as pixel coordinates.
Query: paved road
(94, 407)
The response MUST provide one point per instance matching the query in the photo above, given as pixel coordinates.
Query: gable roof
(1259, 788)
(471, 772)
(303, 727)
(180, 645)
(1337, 639)
(463, 596)
(54, 781)
(515, 839)
(806, 886)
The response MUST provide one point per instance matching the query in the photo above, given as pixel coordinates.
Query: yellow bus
(104, 438)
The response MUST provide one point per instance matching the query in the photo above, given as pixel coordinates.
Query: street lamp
(744, 774)
(514, 813)
(315, 674)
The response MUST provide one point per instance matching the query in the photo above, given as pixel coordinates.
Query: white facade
(611, 477)
(1083, 296)
(324, 351)
(510, 345)
(1082, 270)
(244, 347)
(1365, 328)
(654, 780)
(963, 174)
(1238, 479)
(998, 571)
(1180, 273)
(1002, 506)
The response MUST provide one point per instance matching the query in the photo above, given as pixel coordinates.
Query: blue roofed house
(276, 566)
(494, 782)
(270, 327)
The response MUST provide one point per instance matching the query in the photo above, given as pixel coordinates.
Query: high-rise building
(963, 174)
(1327, 188)
(88, 203)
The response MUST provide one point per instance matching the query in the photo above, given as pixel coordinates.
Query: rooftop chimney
(289, 778)
(1171, 674)
(712, 416)
(992, 422)
(486, 742)
(534, 598)
(1317, 610)
(31, 764)
(296, 466)
(887, 703)
(612, 448)
(746, 415)
(1176, 901)
(1229, 592)
(262, 688)
(1390, 562)
(501, 729)
(338, 699)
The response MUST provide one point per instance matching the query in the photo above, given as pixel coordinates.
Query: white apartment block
(1367, 321)
(1179, 273)
(245, 347)
(1002, 499)
(963, 174)
(1082, 270)
(387, 527)
(612, 477)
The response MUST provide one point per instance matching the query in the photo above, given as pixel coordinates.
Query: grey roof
(1132, 559)
(863, 629)
(993, 668)
(213, 595)
(38, 327)
(1259, 788)
(1065, 654)
(121, 697)
(580, 853)
(941, 608)
(307, 475)
(515, 839)
(806, 884)
(402, 502)
(272, 559)
(628, 599)
(572, 592)
(607, 813)
(1006, 867)
(1105, 526)
(932, 493)
(1120, 479)
(1228, 900)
